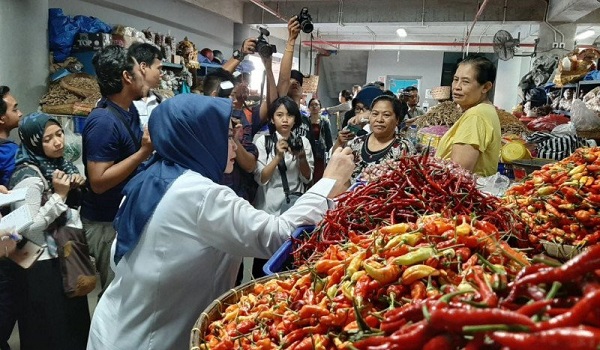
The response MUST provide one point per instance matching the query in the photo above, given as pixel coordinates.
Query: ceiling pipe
(341, 13)
(554, 29)
(263, 6)
(395, 43)
(479, 12)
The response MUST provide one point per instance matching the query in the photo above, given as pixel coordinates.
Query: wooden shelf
(172, 65)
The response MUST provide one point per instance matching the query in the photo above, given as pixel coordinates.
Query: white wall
(24, 50)
(203, 28)
(507, 80)
(425, 64)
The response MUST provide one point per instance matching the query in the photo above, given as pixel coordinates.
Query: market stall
(420, 258)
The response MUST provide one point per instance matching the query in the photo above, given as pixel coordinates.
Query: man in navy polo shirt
(113, 148)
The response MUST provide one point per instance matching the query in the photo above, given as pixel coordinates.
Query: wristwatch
(238, 55)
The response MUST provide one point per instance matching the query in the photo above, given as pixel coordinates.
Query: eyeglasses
(360, 109)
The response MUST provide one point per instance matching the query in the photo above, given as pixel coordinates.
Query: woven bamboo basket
(215, 309)
(441, 93)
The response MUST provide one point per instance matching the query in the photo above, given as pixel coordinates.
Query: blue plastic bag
(63, 30)
(91, 25)
(61, 34)
(592, 75)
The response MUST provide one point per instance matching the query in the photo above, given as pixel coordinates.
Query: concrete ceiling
(430, 24)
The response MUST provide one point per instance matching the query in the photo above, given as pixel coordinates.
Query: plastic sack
(547, 123)
(565, 129)
(496, 184)
(61, 34)
(73, 142)
(584, 118)
(91, 25)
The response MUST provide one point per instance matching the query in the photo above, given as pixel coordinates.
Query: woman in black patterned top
(382, 143)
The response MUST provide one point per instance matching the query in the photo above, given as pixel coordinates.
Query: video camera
(305, 20)
(263, 47)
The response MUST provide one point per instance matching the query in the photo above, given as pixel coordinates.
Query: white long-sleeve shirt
(43, 215)
(270, 194)
(187, 256)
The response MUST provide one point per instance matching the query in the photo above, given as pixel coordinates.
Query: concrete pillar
(24, 51)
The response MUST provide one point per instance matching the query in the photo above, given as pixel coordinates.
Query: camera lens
(307, 26)
(264, 49)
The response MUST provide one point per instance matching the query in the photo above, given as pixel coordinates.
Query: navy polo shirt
(106, 139)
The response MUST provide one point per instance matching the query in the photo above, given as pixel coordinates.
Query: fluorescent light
(584, 35)
(401, 32)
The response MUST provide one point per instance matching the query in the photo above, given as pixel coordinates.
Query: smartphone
(26, 254)
(353, 128)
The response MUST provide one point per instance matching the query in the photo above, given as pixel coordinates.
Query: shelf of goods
(419, 258)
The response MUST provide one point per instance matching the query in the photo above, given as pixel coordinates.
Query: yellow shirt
(479, 127)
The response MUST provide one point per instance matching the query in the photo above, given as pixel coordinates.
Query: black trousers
(8, 301)
(48, 319)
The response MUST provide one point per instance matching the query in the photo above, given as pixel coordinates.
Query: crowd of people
(177, 192)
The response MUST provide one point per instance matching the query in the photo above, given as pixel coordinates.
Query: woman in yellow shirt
(474, 141)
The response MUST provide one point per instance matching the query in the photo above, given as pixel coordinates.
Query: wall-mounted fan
(505, 44)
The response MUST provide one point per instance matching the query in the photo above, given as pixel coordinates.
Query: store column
(24, 50)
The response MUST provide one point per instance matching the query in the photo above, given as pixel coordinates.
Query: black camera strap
(284, 181)
(270, 143)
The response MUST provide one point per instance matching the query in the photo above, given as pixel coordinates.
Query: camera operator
(411, 96)
(281, 153)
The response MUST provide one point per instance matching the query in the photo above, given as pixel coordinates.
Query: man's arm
(272, 94)
(243, 156)
(285, 72)
(105, 175)
(248, 47)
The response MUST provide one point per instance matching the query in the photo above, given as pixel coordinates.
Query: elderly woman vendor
(474, 141)
(181, 236)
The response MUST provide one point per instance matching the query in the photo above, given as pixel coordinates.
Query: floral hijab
(31, 151)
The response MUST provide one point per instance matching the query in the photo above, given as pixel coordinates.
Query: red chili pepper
(453, 320)
(587, 261)
(409, 312)
(412, 337)
(576, 315)
(418, 290)
(441, 342)
(569, 338)
(534, 307)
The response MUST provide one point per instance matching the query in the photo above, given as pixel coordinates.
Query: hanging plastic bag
(61, 34)
(91, 25)
(73, 142)
(584, 118)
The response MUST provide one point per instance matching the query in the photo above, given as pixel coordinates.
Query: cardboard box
(91, 42)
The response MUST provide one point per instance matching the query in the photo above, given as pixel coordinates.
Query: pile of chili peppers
(413, 186)
(559, 202)
(435, 284)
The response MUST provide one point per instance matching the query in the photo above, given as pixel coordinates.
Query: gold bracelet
(286, 50)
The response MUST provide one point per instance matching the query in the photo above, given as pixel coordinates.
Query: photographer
(281, 153)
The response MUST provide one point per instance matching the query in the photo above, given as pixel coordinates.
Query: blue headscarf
(188, 131)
